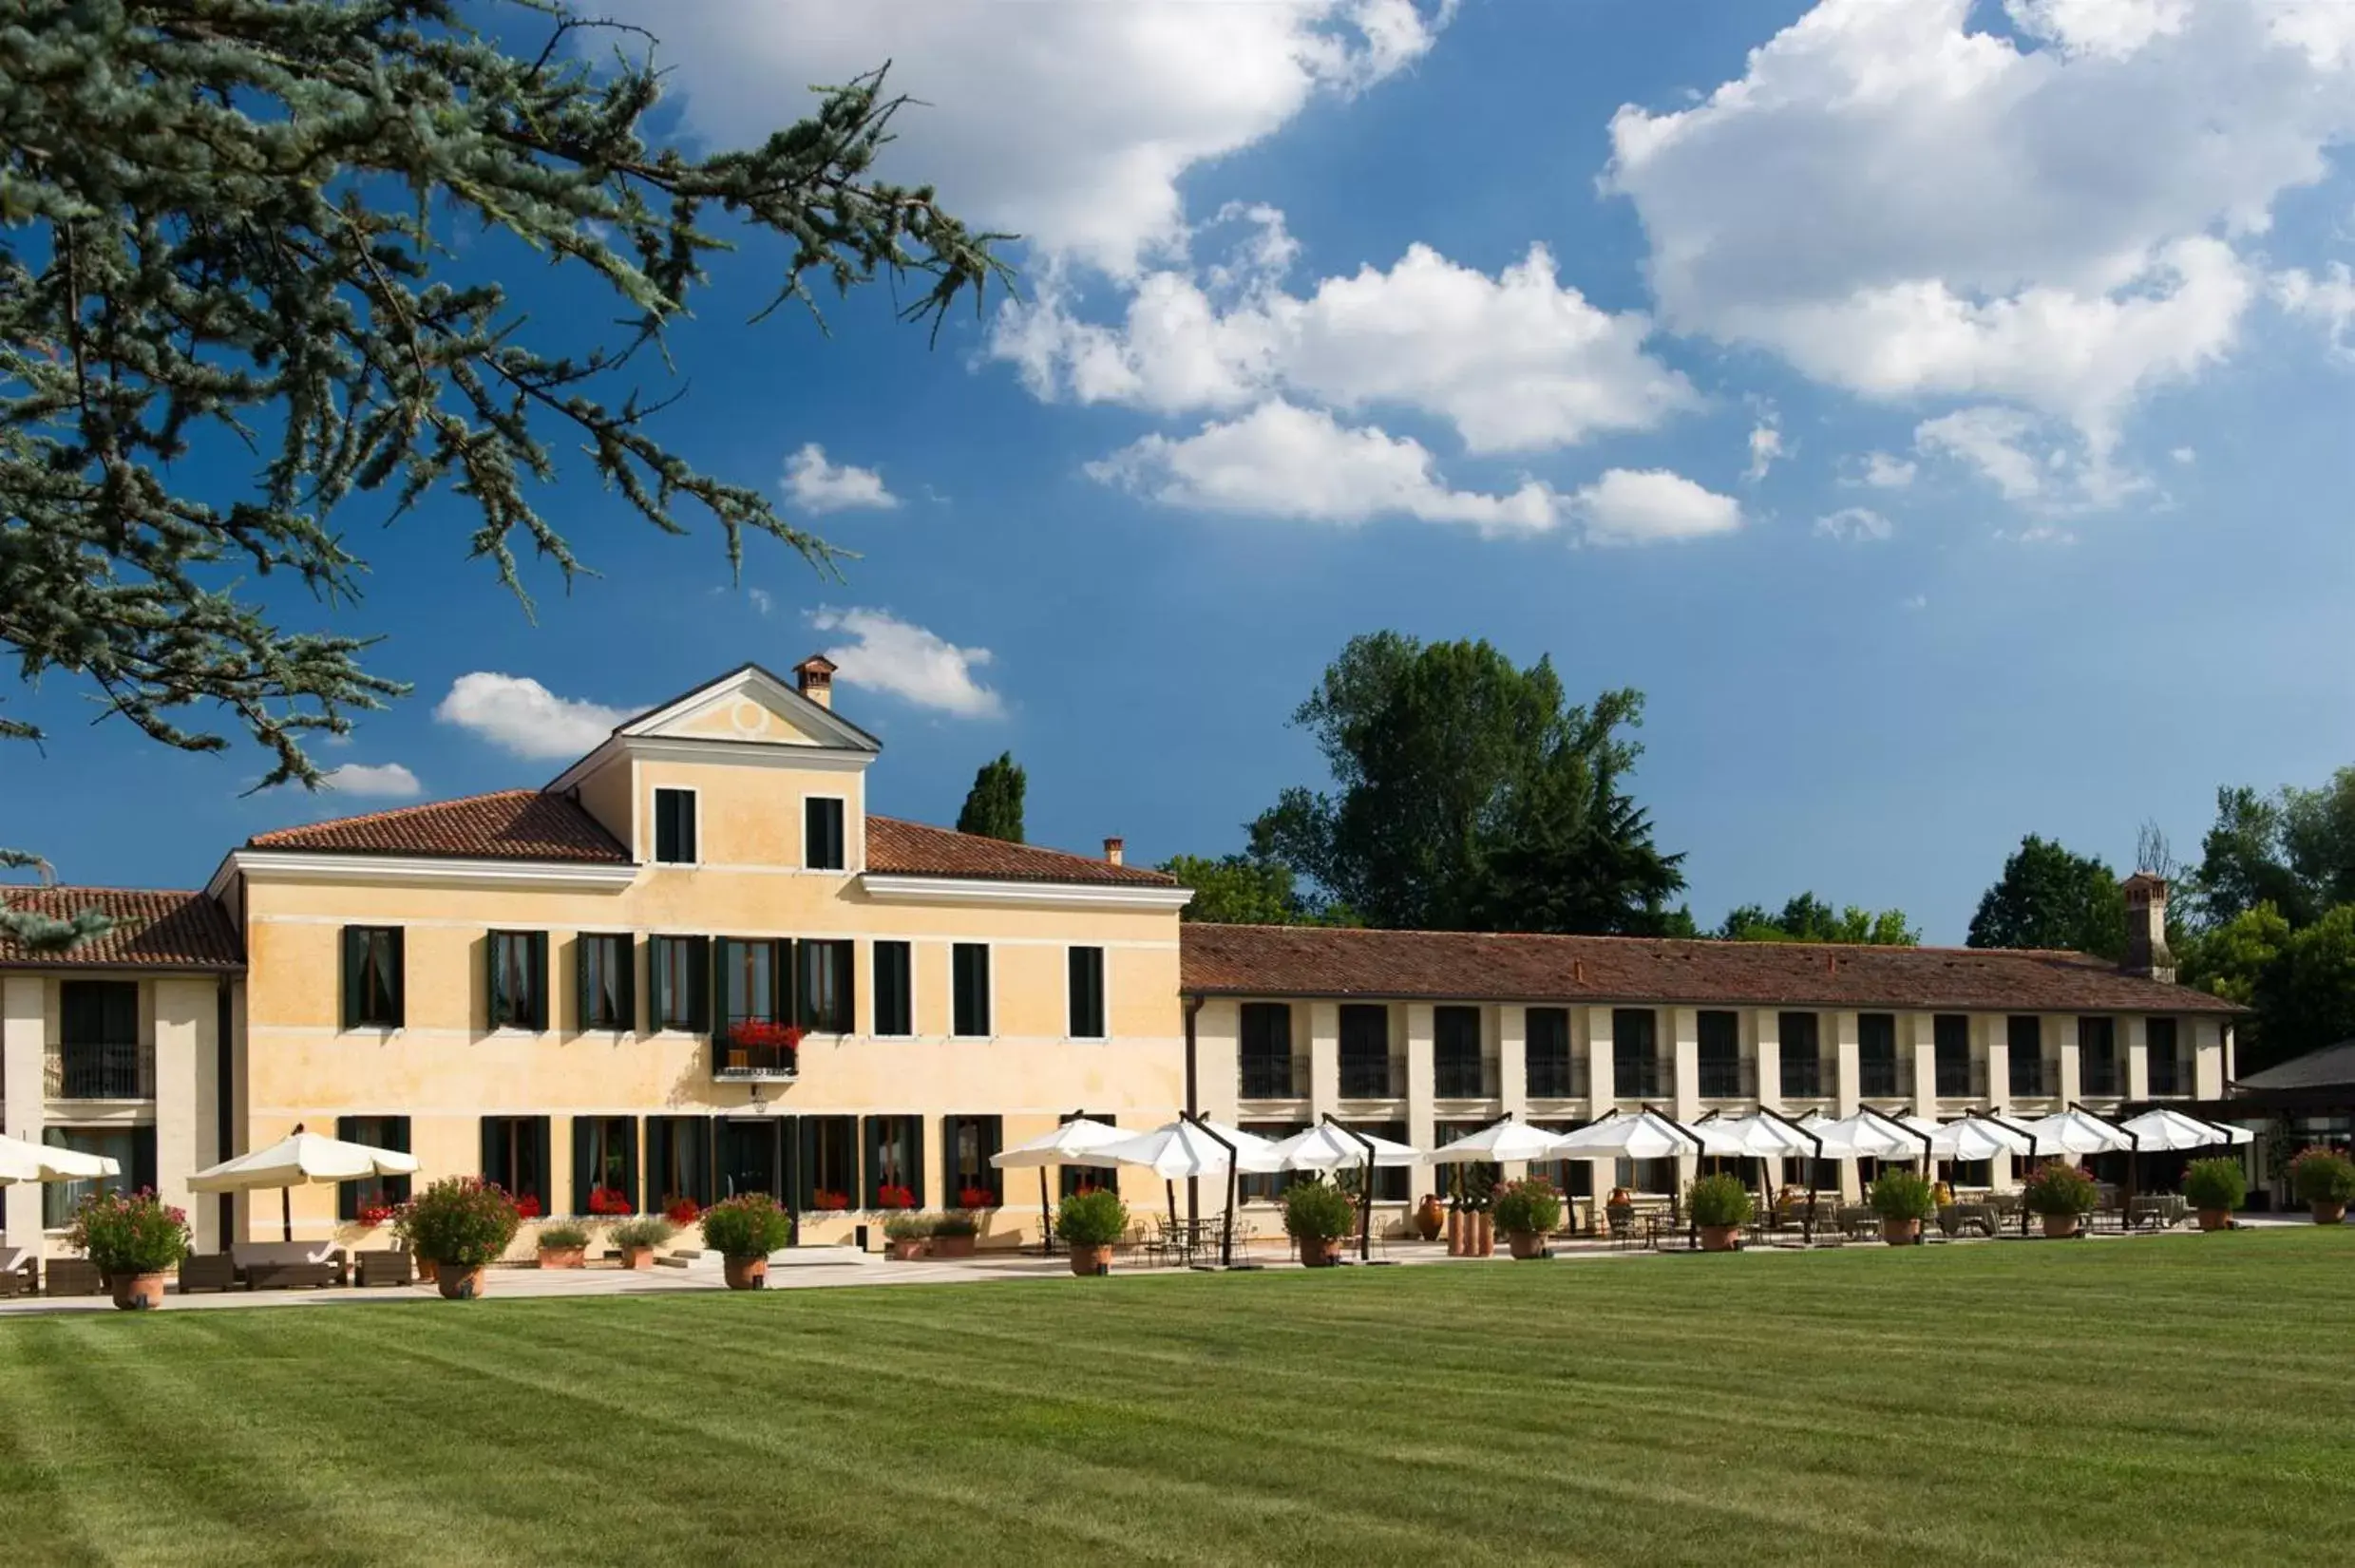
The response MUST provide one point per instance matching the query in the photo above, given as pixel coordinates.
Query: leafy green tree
(2301, 981)
(1470, 795)
(1808, 919)
(2318, 833)
(1238, 890)
(2243, 862)
(2048, 897)
(232, 227)
(994, 806)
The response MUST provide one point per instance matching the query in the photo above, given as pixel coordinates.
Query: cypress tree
(994, 806)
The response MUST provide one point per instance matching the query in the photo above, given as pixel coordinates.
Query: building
(585, 986)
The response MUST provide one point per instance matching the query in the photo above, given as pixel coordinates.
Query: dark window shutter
(539, 945)
(584, 1171)
(872, 1172)
(396, 1137)
(541, 1186)
(142, 1159)
(400, 979)
(700, 958)
(912, 1156)
(625, 978)
(347, 1193)
(492, 1126)
(353, 936)
(625, 1132)
(583, 1010)
(805, 1176)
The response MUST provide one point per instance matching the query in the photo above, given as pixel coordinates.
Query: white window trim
(1104, 1000)
(875, 990)
(843, 801)
(989, 972)
(654, 825)
(582, 1026)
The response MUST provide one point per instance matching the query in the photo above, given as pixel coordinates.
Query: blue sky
(1939, 413)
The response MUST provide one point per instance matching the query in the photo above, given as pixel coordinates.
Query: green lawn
(2183, 1400)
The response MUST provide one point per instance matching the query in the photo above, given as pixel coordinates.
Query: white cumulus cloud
(1765, 449)
(386, 781)
(909, 662)
(1855, 524)
(815, 485)
(1883, 471)
(1650, 506)
(2327, 301)
(1282, 461)
(518, 714)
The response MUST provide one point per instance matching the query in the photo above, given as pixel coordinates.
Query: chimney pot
(1115, 849)
(2146, 929)
(814, 678)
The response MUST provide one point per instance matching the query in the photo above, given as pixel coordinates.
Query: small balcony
(1728, 1077)
(114, 1070)
(1877, 1079)
(2034, 1078)
(1373, 1077)
(2170, 1075)
(1275, 1078)
(2101, 1080)
(1807, 1078)
(1464, 1078)
(1646, 1078)
(1964, 1080)
(1557, 1078)
(756, 1051)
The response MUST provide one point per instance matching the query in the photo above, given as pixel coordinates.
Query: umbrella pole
(1046, 1218)
(1173, 1188)
(286, 1214)
(1365, 1213)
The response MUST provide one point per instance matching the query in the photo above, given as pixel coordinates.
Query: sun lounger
(20, 1271)
(289, 1265)
(207, 1272)
(74, 1276)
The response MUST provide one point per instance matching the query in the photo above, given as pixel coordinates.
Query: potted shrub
(954, 1236)
(2214, 1188)
(1903, 1199)
(1317, 1217)
(563, 1245)
(2325, 1182)
(744, 1230)
(1528, 1211)
(637, 1240)
(1720, 1206)
(133, 1240)
(2061, 1194)
(1092, 1222)
(907, 1235)
(461, 1223)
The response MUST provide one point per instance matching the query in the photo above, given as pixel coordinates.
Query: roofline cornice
(894, 888)
(445, 871)
(697, 748)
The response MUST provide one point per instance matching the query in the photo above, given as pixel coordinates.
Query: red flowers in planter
(889, 1197)
(610, 1201)
(830, 1202)
(680, 1211)
(527, 1206)
(976, 1197)
(373, 1215)
(762, 1034)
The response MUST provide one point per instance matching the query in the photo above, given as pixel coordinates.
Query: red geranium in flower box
(889, 1197)
(680, 1211)
(527, 1206)
(373, 1215)
(779, 1041)
(976, 1197)
(830, 1202)
(610, 1201)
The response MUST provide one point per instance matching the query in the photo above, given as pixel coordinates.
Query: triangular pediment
(751, 706)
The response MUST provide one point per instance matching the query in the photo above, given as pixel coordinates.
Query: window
(826, 986)
(1455, 1179)
(751, 980)
(515, 1157)
(1266, 1051)
(2166, 1069)
(2096, 1055)
(969, 974)
(894, 1157)
(371, 976)
(1546, 1035)
(679, 1160)
(1392, 1183)
(519, 979)
(1635, 1055)
(679, 974)
(1801, 1053)
(674, 826)
(1720, 1055)
(1951, 1032)
(98, 1046)
(822, 833)
(1071, 1179)
(1876, 1054)
(1571, 1178)
(1365, 1053)
(131, 1148)
(2024, 1034)
(607, 969)
(382, 1132)
(1455, 1054)
(895, 1001)
(1269, 1186)
(1087, 993)
(967, 1144)
(828, 1178)
(604, 1160)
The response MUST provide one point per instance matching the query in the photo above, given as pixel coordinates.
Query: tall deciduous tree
(2301, 981)
(1240, 890)
(2048, 897)
(994, 806)
(1808, 919)
(1470, 795)
(230, 228)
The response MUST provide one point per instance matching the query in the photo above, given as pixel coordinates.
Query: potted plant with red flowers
(636, 1239)
(744, 1230)
(1528, 1211)
(954, 1235)
(772, 1047)
(527, 1206)
(462, 1224)
(2061, 1194)
(907, 1235)
(133, 1240)
(2325, 1182)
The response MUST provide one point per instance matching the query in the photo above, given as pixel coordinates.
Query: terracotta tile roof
(511, 824)
(912, 849)
(1320, 961)
(154, 929)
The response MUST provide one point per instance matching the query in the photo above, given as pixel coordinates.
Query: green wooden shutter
(584, 1172)
(353, 936)
(582, 1011)
(702, 955)
(625, 978)
(544, 1185)
(400, 979)
(491, 1171)
(871, 1162)
(144, 1159)
(912, 1157)
(627, 1128)
(539, 978)
(396, 1137)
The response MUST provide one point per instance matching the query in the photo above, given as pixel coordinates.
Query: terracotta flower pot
(1455, 1233)
(2215, 1219)
(426, 1267)
(637, 1257)
(135, 1292)
(1483, 1236)
(907, 1249)
(458, 1282)
(2329, 1214)
(1317, 1252)
(1526, 1244)
(1430, 1218)
(1718, 1239)
(1900, 1233)
(562, 1258)
(1088, 1260)
(745, 1274)
(953, 1246)
(2058, 1225)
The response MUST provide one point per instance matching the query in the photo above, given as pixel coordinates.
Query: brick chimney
(1115, 849)
(814, 678)
(2146, 928)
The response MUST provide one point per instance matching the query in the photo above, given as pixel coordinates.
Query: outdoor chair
(1623, 1223)
(20, 1271)
(1967, 1220)
(290, 1265)
(1858, 1219)
(390, 1267)
(75, 1277)
(207, 1272)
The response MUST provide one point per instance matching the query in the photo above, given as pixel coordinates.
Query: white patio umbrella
(1328, 1145)
(1867, 1133)
(298, 1159)
(1497, 1143)
(1759, 1136)
(2235, 1134)
(1969, 1138)
(1639, 1135)
(21, 1161)
(2167, 1129)
(1190, 1146)
(1059, 1147)
(2077, 1131)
